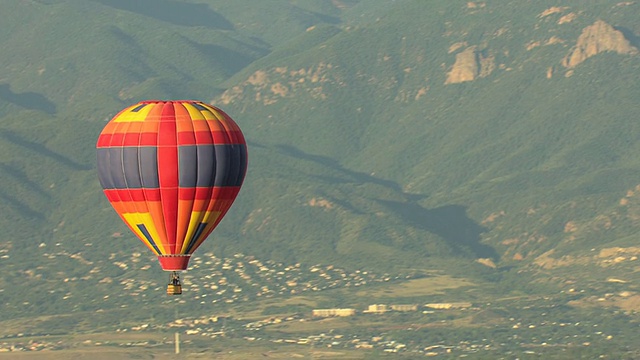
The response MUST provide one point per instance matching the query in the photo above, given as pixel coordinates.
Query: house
(377, 309)
(333, 312)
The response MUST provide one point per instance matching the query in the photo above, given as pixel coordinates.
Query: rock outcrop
(469, 65)
(466, 67)
(597, 38)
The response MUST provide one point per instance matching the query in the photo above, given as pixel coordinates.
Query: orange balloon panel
(171, 170)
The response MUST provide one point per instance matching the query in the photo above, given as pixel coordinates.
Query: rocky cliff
(595, 39)
(469, 65)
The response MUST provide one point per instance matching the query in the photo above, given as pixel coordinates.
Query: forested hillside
(495, 141)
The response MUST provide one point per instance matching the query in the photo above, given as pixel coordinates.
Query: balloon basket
(174, 287)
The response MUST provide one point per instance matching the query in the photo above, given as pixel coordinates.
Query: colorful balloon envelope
(171, 170)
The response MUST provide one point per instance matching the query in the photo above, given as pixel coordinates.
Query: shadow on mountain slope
(450, 222)
(629, 35)
(17, 175)
(174, 12)
(22, 208)
(232, 61)
(334, 164)
(28, 100)
(16, 139)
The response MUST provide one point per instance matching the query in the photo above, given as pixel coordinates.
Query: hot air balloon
(171, 170)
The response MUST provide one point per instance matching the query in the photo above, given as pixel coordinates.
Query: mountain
(491, 141)
(496, 119)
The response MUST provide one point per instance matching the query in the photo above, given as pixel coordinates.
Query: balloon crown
(168, 101)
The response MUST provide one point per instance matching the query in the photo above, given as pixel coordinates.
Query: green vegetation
(361, 157)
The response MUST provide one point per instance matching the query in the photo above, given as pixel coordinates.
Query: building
(377, 309)
(404, 307)
(333, 312)
(447, 306)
